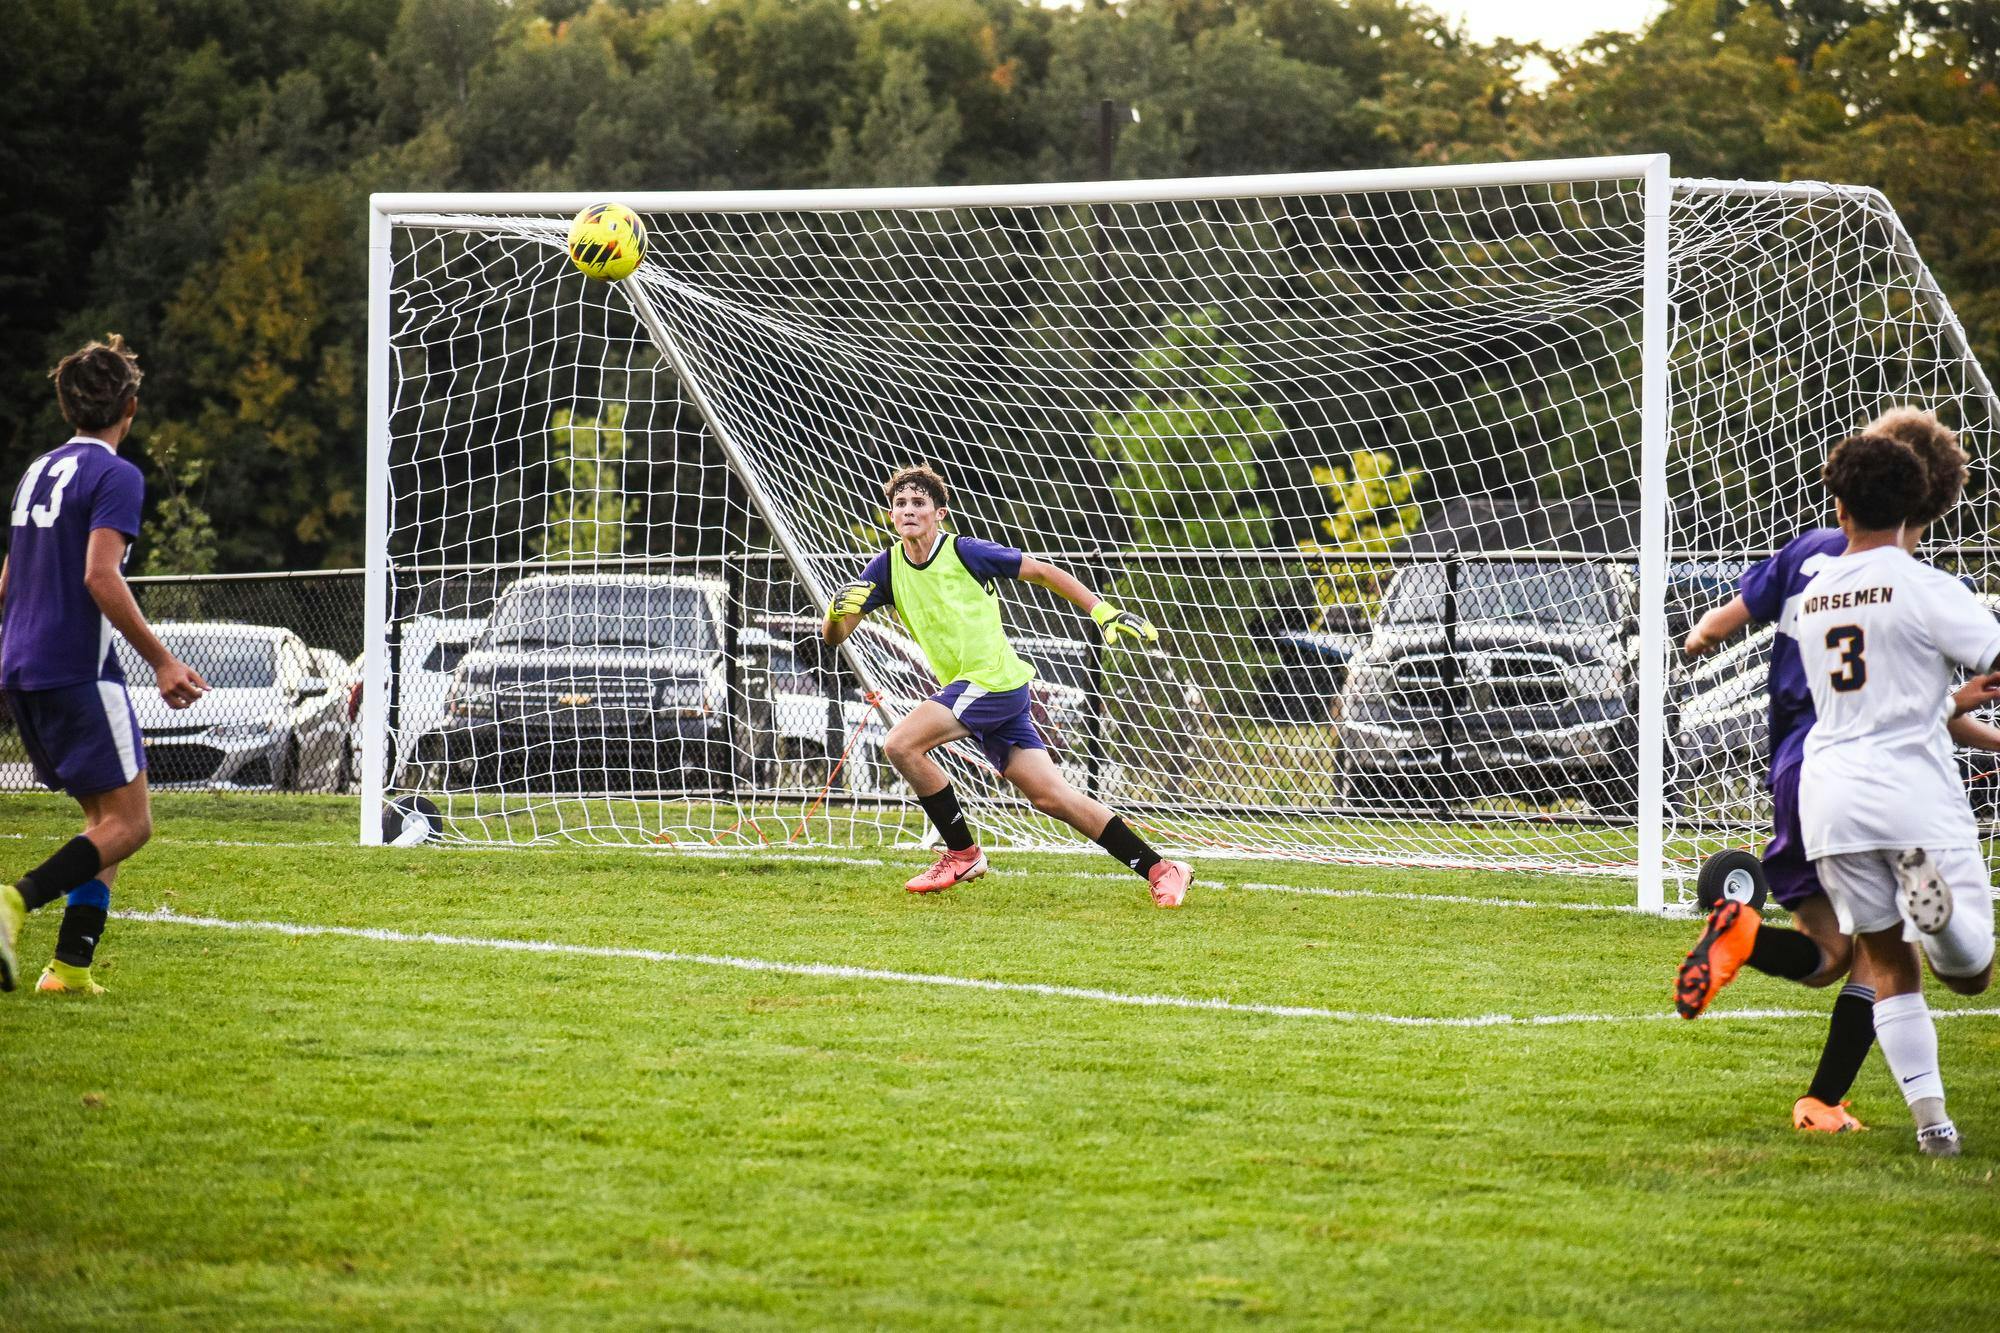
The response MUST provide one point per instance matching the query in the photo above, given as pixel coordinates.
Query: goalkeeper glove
(849, 601)
(1117, 625)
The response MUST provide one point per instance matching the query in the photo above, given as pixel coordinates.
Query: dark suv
(591, 682)
(1492, 679)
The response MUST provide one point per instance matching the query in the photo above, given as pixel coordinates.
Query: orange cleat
(1816, 1117)
(949, 869)
(1169, 881)
(1724, 944)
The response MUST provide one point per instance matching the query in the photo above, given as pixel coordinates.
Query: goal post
(1420, 472)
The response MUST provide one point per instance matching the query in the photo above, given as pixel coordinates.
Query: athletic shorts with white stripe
(82, 739)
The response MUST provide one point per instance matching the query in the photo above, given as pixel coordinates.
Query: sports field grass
(260, 1129)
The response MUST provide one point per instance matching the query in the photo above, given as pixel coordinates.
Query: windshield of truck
(604, 615)
(1537, 593)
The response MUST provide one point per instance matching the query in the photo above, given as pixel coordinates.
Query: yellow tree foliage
(1369, 507)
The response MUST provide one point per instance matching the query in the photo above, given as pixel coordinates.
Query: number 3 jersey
(1882, 637)
(51, 632)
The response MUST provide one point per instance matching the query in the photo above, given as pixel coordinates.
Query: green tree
(180, 538)
(269, 341)
(589, 512)
(1182, 458)
(904, 137)
(663, 126)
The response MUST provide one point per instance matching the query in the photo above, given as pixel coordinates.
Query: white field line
(567, 849)
(1046, 990)
(1400, 895)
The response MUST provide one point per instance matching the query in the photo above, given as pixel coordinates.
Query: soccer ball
(607, 241)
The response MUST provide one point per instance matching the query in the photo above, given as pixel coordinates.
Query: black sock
(74, 862)
(82, 928)
(942, 807)
(1848, 1038)
(1127, 846)
(1783, 952)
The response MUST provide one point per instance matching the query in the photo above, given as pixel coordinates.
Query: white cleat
(1939, 1140)
(1921, 893)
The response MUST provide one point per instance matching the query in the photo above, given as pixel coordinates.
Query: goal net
(1420, 487)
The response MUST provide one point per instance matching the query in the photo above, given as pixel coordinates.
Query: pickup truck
(592, 682)
(1486, 679)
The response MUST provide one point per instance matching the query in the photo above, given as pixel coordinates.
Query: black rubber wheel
(403, 817)
(1734, 875)
(287, 776)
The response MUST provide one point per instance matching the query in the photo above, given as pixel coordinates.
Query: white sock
(1908, 1037)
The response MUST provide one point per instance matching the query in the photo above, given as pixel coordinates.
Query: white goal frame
(387, 211)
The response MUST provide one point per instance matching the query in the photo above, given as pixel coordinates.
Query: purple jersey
(985, 561)
(1769, 589)
(52, 633)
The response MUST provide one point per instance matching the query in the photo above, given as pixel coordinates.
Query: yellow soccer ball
(607, 241)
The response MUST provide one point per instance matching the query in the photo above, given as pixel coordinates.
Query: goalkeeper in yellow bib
(943, 587)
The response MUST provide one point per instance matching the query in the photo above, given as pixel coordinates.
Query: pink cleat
(951, 868)
(1169, 881)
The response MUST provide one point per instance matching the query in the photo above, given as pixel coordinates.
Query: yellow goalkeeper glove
(850, 600)
(1119, 625)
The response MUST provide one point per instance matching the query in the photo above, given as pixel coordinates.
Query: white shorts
(1862, 886)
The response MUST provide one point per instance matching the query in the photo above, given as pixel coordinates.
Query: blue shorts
(999, 722)
(82, 739)
(1791, 877)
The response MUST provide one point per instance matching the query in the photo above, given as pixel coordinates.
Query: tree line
(194, 173)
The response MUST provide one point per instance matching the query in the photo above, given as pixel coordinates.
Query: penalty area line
(851, 972)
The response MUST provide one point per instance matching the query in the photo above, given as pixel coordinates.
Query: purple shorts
(82, 739)
(1791, 877)
(999, 722)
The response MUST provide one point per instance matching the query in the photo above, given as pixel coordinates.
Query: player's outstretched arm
(1713, 630)
(180, 684)
(1117, 626)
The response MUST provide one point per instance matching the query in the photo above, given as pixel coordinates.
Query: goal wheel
(1733, 875)
(409, 820)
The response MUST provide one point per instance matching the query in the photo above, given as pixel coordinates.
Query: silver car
(270, 719)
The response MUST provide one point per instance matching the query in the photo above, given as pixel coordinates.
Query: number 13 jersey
(51, 632)
(1881, 635)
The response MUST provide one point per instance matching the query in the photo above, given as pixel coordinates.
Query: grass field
(419, 1128)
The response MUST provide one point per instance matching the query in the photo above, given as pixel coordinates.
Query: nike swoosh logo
(1913, 1078)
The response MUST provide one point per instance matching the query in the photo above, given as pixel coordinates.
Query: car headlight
(1596, 678)
(688, 697)
(261, 729)
(468, 700)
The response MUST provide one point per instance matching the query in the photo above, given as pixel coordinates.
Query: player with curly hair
(945, 589)
(1816, 953)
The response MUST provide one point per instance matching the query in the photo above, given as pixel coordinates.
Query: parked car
(344, 678)
(1519, 682)
(1312, 663)
(270, 718)
(806, 724)
(1723, 714)
(592, 682)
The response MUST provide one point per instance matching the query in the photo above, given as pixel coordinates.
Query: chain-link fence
(282, 655)
(1326, 669)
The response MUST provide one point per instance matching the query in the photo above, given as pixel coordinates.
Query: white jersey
(1882, 636)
